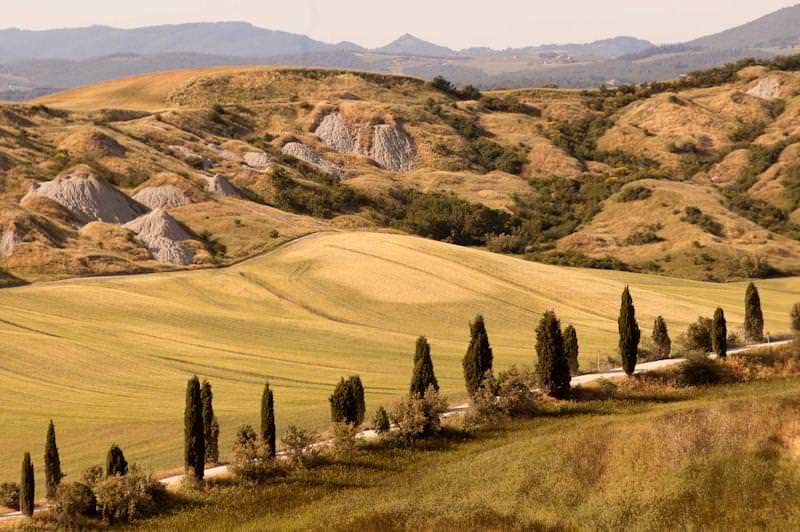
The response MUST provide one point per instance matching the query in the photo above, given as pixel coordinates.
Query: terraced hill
(108, 358)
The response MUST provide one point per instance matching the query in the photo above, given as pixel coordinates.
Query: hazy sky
(454, 23)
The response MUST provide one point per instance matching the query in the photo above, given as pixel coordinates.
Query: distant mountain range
(37, 62)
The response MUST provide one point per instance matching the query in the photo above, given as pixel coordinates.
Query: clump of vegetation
(644, 235)
(508, 104)
(347, 401)
(252, 459)
(301, 446)
(322, 201)
(444, 85)
(479, 357)
(695, 216)
(9, 495)
(418, 417)
(629, 333)
(122, 499)
(634, 193)
(381, 423)
(552, 363)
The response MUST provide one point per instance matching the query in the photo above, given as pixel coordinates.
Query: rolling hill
(108, 358)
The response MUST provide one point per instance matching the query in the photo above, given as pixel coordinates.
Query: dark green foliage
(446, 217)
(695, 216)
(634, 193)
(661, 339)
(9, 495)
(699, 370)
(116, 465)
(552, 365)
(268, 432)
(210, 424)
(642, 236)
(478, 358)
(347, 402)
(27, 487)
(795, 319)
(579, 138)
(52, 462)
(576, 259)
(442, 84)
(381, 422)
(719, 334)
(508, 104)
(753, 317)
(322, 201)
(698, 335)
(629, 333)
(423, 376)
(194, 443)
(572, 349)
(73, 501)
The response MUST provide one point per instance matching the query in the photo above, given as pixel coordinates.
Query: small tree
(194, 448)
(629, 333)
(719, 334)
(424, 375)
(478, 359)
(116, 465)
(698, 335)
(210, 424)
(268, 434)
(381, 422)
(795, 319)
(552, 366)
(661, 338)
(347, 402)
(753, 317)
(27, 487)
(571, 348)
(52, 462)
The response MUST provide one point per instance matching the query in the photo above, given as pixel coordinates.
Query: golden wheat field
(107, 359)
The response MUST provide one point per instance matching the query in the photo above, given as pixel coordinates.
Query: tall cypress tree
(661, 338)
(478, 359)
(552, 366)
(629, 333)
(194, 449)
(719, 334)
(268, 420)
(52, 462)
(753, 317)
(572, 348)
(27, 487)
(423, 375)
(210, 424)
(116, 464)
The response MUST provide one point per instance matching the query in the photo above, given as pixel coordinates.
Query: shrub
(124, 499)
(699, 370)
(9, 495)
(302, 447)
(92, 475)
(644, 235)
(381, 422)
(510, 395)
(695, 216)
(344, 440)
(795, 319)
(251, 458)
(635, 193)
(509, 104)
(116, 465)
(73, 501)
(419, 417)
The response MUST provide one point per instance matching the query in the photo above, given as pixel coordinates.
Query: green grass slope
(108, 359)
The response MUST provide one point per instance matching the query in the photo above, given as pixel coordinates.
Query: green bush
(9, 495)
(699, 370)
(695, 216)
(634, 193)
(698, 335)
(123, 499)
(381, 422)
(72, 502)
(302, 449)
(644, 235)
(418, 417)
(252, 460)
(347, 401)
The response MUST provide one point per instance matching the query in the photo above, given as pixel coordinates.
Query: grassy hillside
(108, 359)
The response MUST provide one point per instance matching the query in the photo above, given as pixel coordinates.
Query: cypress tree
(347, 402)
(753, 317)
(210, 424)
(116, 465)
(194, 449)
(629, 333)
(478, 359)
(719, 334)
(27, 487)
(552, 366)
(268, 420)
(661, 338)
(52, 462)
(571, 348)
(424, 375)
